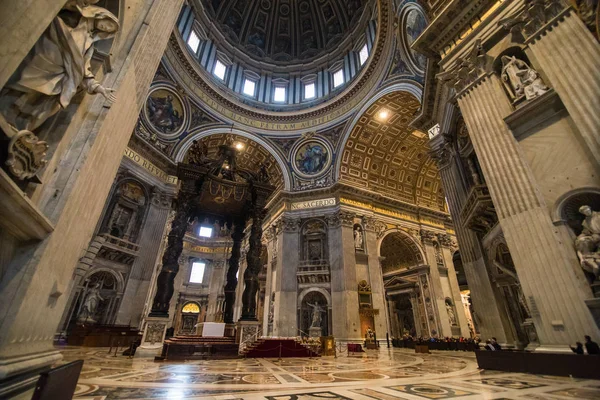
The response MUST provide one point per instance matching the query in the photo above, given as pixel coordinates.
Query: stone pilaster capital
(427, 237)
(444, 239)
(290, 225)
(342, 218)
(535, 16)
(161, 199)
(374, 225)
(468, 69)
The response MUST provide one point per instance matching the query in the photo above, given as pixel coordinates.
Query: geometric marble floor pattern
(385, 374)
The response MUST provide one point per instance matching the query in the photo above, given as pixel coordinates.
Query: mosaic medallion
(165, 112)
(311, 158)
(413, 24)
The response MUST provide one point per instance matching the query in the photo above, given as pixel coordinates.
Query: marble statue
(58, 65)
(587, 244)
(358, 238)
(451, 314)
(90, 303)
(49, 77)
(317, 312)
(521, 79)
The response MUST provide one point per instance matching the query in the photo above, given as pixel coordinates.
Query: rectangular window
(197, 274)
(364, 54)
(249, 87)
(219, 70)
(309, 91)
(338, 78)
(279, 96)
(194, 42)
(205, 231)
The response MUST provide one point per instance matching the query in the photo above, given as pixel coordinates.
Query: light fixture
(239, 146)
(383, 115)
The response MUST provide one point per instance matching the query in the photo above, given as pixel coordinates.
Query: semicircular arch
(400, 240)
(204, 132)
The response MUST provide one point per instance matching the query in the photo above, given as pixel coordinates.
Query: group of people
(446, 343)
(591, 347)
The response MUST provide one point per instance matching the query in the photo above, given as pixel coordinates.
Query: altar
(211, 329)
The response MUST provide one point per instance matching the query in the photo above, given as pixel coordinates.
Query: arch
(191, 310)
(405, 85)
(398, 230)
(567, 205)
(202, 132)
(382, 153)
(306, 291)
(118, 277)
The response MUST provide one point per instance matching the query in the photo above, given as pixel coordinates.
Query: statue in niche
(521, 80)
(198, 153)
(358, 238)
(451, 314)
(59, 63)
(90, 303)
(316, 315)
(587, 244)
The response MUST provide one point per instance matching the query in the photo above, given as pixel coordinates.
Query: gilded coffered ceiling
(400, 252)
(285, 30)
(383, 154)
(251, 156)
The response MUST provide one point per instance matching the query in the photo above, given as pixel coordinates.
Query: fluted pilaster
(544, 270)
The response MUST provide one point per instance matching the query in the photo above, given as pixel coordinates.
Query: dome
(285, 31)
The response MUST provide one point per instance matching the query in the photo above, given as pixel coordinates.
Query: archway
(382, 153)
(190, 316)
(314, 312)
(401, 258)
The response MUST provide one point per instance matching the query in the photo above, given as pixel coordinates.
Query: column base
(155, 330)
(247, 332)
(20, 374)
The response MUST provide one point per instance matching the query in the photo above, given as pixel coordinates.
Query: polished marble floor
(386, 374)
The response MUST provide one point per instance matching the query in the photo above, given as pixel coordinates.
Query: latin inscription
(303, 205)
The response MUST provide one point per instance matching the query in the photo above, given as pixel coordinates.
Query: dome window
(363, 55)
(309, 91)
(249, 87)
(193, 42)
(279, 95)
(338, 78)
(205, 231)
(219, 70)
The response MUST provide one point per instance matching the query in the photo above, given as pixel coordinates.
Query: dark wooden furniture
(59, 382)
(103, 336)
(559, 364)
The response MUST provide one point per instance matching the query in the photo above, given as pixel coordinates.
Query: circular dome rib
(285, 30)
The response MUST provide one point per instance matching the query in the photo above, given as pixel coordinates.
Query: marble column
(254, 265)
(233, 266)
(454, 287)
(170, 260)
(437, 293)
(138, 284)
(344, 283)
(372, 227)
(487, 313)
(285, 322)
(569, 55)
(554, 294)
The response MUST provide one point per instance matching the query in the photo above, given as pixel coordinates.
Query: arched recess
(381, 153)
(408, 240)
(305, 311)
(566, 208)
(203, 132)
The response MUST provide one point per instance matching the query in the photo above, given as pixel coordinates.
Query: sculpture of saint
(521, 79)
(316, 316)
(358, 238)
(587, 244)
(451, 314)
(58, 64)
(90, 303)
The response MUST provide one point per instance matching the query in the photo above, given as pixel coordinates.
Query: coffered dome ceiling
(385, 155)
(399, 252)
(285, 30)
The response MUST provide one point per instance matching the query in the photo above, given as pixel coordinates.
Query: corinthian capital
(291, 224)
